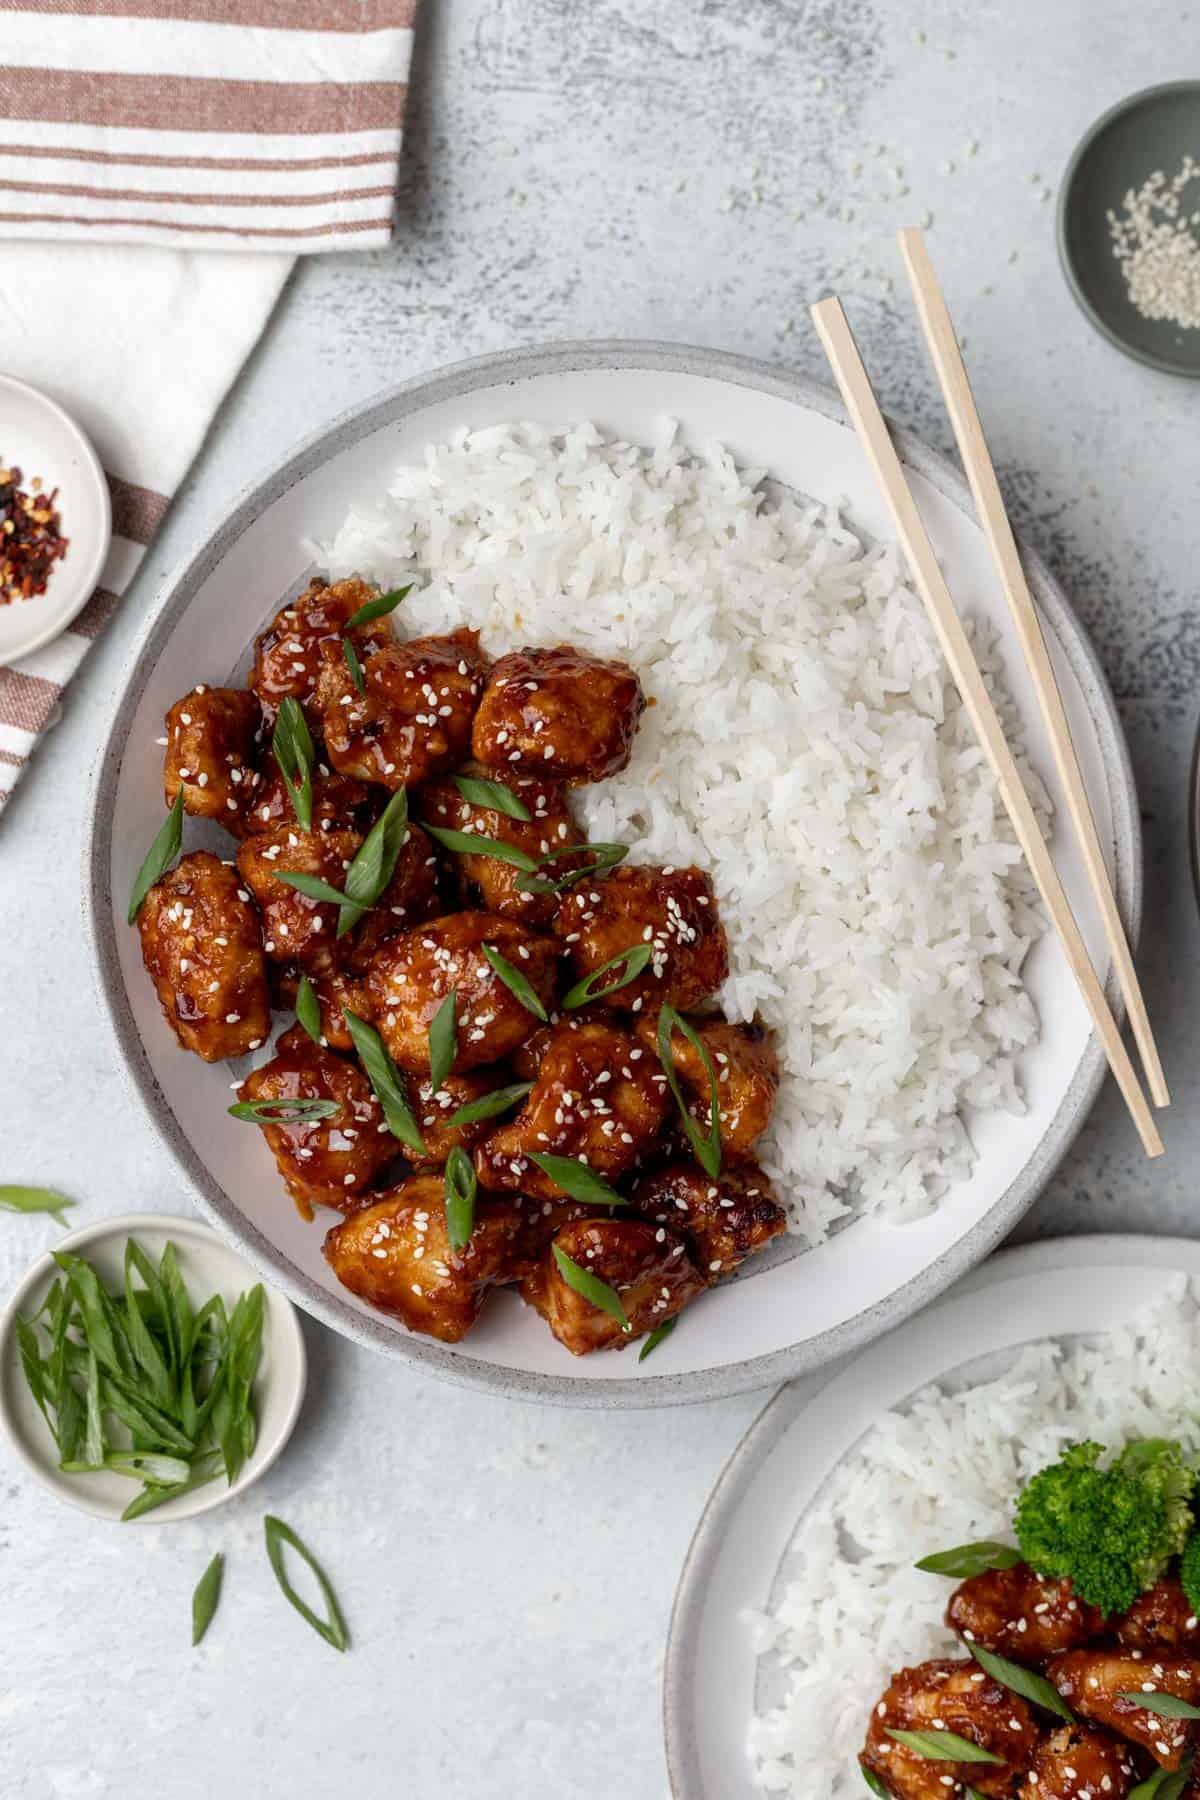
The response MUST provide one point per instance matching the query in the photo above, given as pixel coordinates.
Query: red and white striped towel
(141, 132)
(267, 124)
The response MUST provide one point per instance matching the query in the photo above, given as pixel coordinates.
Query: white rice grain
(804, 744)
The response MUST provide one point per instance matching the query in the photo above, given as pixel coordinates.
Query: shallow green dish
(1154, 129)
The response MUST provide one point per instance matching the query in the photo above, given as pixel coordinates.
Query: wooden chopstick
(972, 446)
(856, 390)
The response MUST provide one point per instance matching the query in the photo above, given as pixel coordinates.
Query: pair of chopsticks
(868, 420)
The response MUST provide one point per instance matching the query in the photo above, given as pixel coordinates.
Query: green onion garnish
(461, 1186)
(386, 1080)
(516, 983)
(333, 1627)
(591, 1287)
(493, 795)
(706, 1145)
(161, 854)
(377, 608)
(473, 843)
(443, 1041)
(629, 962)
(292, 748)
(285, 1112)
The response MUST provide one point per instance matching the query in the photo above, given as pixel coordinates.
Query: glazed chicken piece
(287, 655)
(202, 946)
(649, 1269)
(396, 1256)
(296, 928)
(414, 718)
(486, 880)
(1160, 1619)
(339, 803)
(560, 713)
(433, 1111)
(672, 910)
(1022, 1615)
(746, 1068)
(539, 1223)
(211, 736)
(1078, 1762)
(951, 1696)
(410, 976)
(526, 1059)
(324, 1162)
(1093, 1681)
(722, 1221)
(598, 1097)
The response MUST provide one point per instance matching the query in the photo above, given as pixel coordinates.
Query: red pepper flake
(31, 539)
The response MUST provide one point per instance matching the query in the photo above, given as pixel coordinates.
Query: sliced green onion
(1164, 1784)
(577, 1180)
(1163, 1706)
(630, 962)
(493, 795)
(159, 857)
(966, 1560)
(285, 1112)
(443, 1041)
(375, 862)
(655, 1339)
(353, 664)
(292, 748)
(310, 885)
(706, 1145)
(204, 1599)
(488, 1106)
(516, 983)
(333, 1627)
(386, 1080)
(473, 843)
(607, 856)
(308, 1009)
(377, 608)
(14, 1198)
(1030, 1686)
(944, 1746)
(461, 1187)
(597, 1292)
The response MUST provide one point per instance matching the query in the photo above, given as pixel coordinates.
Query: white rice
(805, 745)
(945, 1471)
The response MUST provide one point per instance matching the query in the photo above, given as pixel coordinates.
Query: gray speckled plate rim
(765, 1431)
(1163, 364)
(428, 1356)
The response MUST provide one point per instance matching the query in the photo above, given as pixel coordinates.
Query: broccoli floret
(1189, 1572)
(1111, 1531)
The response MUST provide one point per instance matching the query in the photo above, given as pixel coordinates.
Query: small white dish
(41, 439)
(713, 1679)
(208, 1266)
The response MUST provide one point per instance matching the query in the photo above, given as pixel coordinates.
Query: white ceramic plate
(787, 1314)
(1064, 1288)
(208, 1267)
(40, 438)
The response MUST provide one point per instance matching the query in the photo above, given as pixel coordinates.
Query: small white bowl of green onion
(145, 1372)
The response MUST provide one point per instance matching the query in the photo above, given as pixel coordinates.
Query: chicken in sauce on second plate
(480, 1078)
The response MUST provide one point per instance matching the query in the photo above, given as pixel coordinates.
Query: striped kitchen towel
(256, 124)
(136, 133)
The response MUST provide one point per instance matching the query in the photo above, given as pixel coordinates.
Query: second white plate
(1063, 1288)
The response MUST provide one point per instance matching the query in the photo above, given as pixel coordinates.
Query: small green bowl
(1152, 130)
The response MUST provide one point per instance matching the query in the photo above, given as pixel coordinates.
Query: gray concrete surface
(575, 168)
